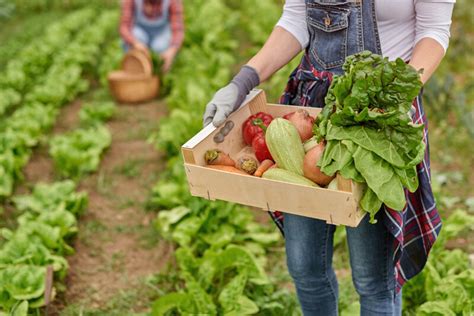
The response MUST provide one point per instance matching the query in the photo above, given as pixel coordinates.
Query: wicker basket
(137, 62)
(132, 88)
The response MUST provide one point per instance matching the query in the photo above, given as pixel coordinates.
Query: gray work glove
(229, 98)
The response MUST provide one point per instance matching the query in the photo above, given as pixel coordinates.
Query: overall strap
(158, 22)
(371, 31)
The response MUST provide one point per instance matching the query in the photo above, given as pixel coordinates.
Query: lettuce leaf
(370, 135)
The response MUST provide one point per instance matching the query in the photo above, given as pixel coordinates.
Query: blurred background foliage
(448, 102)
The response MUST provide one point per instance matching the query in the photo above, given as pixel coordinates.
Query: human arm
(427, 55)
(177, 34)
(433, 20)
(266, 62)
(126, 22)
(288, 38)
(176, 23)
(257, 70)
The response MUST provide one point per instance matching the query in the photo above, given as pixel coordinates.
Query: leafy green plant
(78, 152)
(50, 196)
(47, 222)
(96, 112)
(221, 254)
(369, 131)
(446, 285)
(110, 61)
(48, 83)
(8, 99)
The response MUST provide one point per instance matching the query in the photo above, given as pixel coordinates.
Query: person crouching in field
(153, 24)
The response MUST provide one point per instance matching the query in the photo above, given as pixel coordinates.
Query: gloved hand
(229, 98)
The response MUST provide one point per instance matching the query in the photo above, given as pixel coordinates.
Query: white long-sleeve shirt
(401, 23)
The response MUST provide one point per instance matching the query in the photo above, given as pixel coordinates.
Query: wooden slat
(343, 184)
(333, 206)
(278, 110)
(188, 155)
(258, 103)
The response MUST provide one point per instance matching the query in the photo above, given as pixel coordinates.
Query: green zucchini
(284, 144)
(287, 176)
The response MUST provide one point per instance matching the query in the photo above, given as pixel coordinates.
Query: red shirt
(151, 11)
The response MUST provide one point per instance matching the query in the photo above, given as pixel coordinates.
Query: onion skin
(303, 123)
(310, 168)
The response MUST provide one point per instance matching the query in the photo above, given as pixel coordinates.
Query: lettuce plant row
(39, 242)
(222, 251)
(62, 82)
(30, 64)
(48, 220)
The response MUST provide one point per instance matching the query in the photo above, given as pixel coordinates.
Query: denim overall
(156, 32)
(385, 255)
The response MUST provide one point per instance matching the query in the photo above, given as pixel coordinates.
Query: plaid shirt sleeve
(176, 23)
(126, 21)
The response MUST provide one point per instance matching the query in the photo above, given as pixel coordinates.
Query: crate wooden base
(334, 206)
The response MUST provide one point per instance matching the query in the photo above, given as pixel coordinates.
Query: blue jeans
(157, 41)
(309, 250)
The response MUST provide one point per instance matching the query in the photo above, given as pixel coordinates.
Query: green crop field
(96, 217)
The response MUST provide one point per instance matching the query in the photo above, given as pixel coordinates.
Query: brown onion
(303, 123)
(310, 168)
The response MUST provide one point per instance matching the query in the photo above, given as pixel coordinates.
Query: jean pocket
(328, 27)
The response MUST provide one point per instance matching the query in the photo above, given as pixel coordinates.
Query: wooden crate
(335, 207)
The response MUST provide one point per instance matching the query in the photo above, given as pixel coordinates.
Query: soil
(116, 246)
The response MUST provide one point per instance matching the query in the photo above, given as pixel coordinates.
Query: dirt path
(117, 249)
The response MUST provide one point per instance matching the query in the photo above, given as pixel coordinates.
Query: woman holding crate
(384, 255)
(153, 24)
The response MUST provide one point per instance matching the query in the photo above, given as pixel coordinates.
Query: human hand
(168, 58)
(141, 47)
(224, 102)
(229, 98)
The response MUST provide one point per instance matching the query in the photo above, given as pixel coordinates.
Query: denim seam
(360, 29)
(376, 29)
(386, 256)
(326, 263)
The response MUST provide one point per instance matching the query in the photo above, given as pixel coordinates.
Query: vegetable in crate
(311, 170)
(303, 123)
(247, 164)
(217, 157)
(333, 185)
(253, 132)
(260, 148)
(285, 145)
(370, 135)
(287, 176)
(309, 144)
(252, 126)
(231, 169)
(264, 166)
